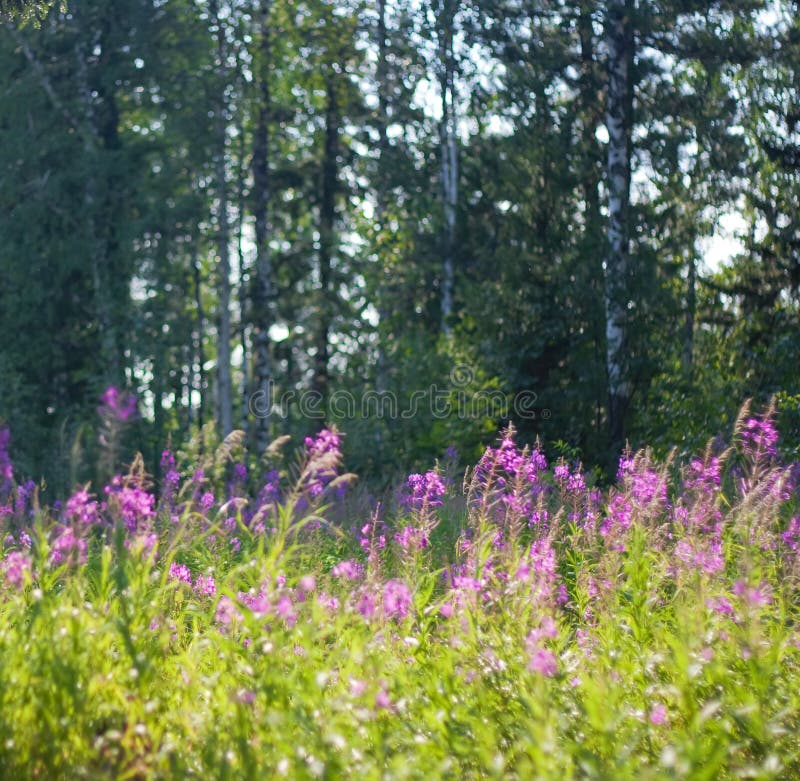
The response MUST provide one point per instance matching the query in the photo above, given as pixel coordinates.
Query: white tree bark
(448, 151)
(224, 381)
(263, 288)
(618, 44)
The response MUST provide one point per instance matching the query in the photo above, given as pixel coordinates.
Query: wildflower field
(243, 620)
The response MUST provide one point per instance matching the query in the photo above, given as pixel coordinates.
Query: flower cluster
(760, 437)
(117, 405)
(323, 456)
(6, 467)
(135, 505)
(82, 508)
(423, 491)
(67, 547)
(203, 585)
(16, 568)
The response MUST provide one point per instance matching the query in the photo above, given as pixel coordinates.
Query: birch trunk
(224, 381)
(448, 158)
(383, 145)
(619, 45)
(263, 286)
(199, 381)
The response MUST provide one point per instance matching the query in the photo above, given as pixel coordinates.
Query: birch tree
(263, 283)
(224, 380)
(619, 50)
(445, 12)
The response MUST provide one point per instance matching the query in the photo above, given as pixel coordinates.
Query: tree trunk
(381, 199)
(262, 289)
(200, 379)
(244, 385)
(93, 209)
(691, 306)
(448, 159)
(224, 381)
(619, 44)
(330, 176)
(592, 112)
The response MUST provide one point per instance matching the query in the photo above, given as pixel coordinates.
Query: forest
(580, 218)
(400, 389)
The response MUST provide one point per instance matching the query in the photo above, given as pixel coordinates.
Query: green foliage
(652, 666)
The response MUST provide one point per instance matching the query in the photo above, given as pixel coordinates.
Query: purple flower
(135, 505)
(648, 486)
(366, 605)
(82, 508)
(704, 477)
(323, 456)
(619, 516)
(721, 605)
(180, 573)
(658, 715)
(423, 491)
(307, 584)
(226, 612)
(349, 570)
(172, 480)
(271, 491)
(760, 437)
(167, 460)
(206, 501)
(791, 537)
(411, 539)
(396, 599)
(755, 596)
(117, 405)
(543, 662)
(16, 568)
(626, 464)
(703, 555)
(325, 442)
(537, 464)
(561, 473)
(328, 601)
(67, 547)
(285, 610)
(205, 586)
(6, 468)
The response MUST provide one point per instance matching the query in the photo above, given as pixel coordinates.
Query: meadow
(243, 620)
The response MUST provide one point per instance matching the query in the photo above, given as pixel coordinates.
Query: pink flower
(180, 573)
(357, 687)
(396, 599)
(658, 715)
(349, 570)
(286, 611)
(205, 586)
(68, 548)
(543, 662)
(81, 507)
(307, 584)
(366, 606)
(382, 699)
(16, 567)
